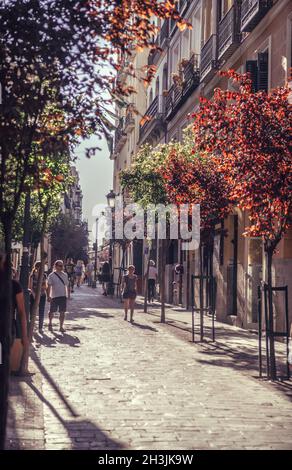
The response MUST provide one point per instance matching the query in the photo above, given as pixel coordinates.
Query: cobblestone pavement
(107, 384)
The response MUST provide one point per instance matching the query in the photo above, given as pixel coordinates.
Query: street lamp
(95, 251)
(111, 200)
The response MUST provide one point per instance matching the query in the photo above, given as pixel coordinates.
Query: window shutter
(263, 71)
(251, 67)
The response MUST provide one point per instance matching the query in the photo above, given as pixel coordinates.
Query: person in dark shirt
(17, 303)
(19, 307)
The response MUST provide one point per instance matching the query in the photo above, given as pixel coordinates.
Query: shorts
(58, 303)
(130, 295)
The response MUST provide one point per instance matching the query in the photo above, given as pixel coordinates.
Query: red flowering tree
(249, 134)
(194, 179)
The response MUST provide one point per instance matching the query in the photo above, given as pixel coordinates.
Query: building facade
(247, 36)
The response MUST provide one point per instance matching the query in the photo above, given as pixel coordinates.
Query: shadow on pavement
(144, 327)
(57, 338)
(90, 312)
(83, 434)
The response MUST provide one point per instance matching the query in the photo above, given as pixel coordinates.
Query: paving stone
(107, 384)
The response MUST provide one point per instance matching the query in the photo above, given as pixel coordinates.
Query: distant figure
(105, 276)
(152, 279)
(130, 292)
(58, 291)
(89, 273)
(79, 271)
(69, 269)
(175, 293)
(32, 285)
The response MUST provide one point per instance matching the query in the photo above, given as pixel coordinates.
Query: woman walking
(32, 285)
(130, 292)
(79, 271)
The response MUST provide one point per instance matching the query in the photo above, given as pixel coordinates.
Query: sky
(96, 179)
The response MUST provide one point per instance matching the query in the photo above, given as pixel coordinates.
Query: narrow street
(107, 384)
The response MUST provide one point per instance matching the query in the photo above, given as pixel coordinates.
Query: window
(196, 33)
(157, 87)
(175, 59)
(259, 71)
(207, 20)
(186, 44)
(224, 7)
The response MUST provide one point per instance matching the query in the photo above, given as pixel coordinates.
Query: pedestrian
(89, 273)
(32, 285)
(58, 292)
(18, 307)
(152, 279)
(130, 292)
(69, 269)
(79, 269)
(105, 276)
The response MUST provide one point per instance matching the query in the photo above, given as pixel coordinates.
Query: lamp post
(95, 253)
(111, 200)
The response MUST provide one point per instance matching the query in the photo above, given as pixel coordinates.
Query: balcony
(209, 57)
(252, 11)
(129, 122)
(120, 136)
(228, 34)
(153, 119)
(179, 93)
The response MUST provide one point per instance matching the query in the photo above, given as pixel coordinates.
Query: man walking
(57, 293)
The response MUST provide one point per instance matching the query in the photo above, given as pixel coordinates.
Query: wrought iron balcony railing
(129, 121)
(209, 56)
(153, 116)
(252, 11)
(120, 136)
(228, 33)
(178, 93)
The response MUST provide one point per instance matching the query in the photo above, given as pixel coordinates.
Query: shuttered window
(259, 72)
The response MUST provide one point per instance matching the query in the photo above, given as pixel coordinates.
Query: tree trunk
(201, 293)
(162, 280)
(188, 280)
(270, 325)
(146, 283)
(5, 330)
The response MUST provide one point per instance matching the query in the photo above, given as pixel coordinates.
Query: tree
(145, 186)
(145, 183)
(69, 239)
(58, 60)
(247, 135)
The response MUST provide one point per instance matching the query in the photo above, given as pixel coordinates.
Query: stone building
(244, 35)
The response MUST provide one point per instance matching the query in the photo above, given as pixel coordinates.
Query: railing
(154, 112)
(228, 32)
(129, 120)
(177, 94)
(209, 56)
(120, 136)
(252, 11)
